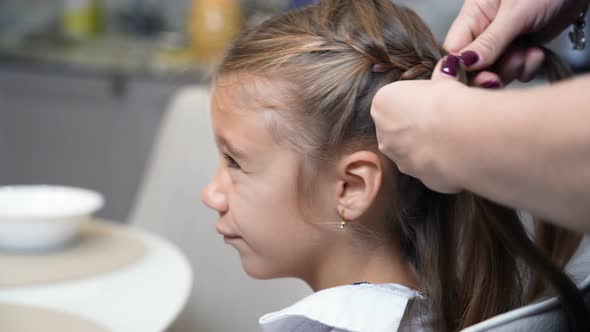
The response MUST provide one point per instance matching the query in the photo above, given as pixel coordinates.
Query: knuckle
(381, 95)
(489, 44)
(374, 112)
(488, 6)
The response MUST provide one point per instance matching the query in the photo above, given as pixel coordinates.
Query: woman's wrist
(523, 148)
(479, 126)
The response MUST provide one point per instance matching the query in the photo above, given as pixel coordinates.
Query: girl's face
(255, 189)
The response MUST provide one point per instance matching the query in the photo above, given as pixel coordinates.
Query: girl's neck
(344, 266)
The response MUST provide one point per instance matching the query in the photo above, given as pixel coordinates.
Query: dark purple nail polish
(491, 85)
(450, 65)
(468, 58)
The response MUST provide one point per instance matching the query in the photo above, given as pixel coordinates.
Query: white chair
(183, 161)
(546, 315)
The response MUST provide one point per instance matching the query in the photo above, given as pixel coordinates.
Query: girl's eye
(231, 163)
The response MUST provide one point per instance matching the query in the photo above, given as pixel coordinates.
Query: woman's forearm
(528, 149)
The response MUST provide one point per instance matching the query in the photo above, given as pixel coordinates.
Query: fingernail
(491, 85)
(450, 65)
(468, 58)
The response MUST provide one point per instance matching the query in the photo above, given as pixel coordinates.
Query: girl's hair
(473, 258)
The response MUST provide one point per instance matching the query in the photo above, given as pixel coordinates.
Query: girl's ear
(360, 177)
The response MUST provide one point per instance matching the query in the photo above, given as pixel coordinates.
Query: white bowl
(43, 217)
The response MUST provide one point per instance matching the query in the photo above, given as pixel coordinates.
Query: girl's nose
(213, 196)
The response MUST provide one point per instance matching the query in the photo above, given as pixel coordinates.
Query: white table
(146, 296)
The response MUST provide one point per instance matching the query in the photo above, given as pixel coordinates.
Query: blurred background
(84, 83)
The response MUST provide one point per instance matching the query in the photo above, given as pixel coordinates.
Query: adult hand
(410, 128)
(485, 32)
(408, 125)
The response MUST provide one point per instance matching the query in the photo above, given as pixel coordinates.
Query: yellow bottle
(81, 19)
(212, 25)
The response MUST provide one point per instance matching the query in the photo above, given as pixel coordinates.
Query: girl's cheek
(237, 189)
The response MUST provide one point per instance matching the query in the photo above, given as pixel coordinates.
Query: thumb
(447, 68)
(487, 48)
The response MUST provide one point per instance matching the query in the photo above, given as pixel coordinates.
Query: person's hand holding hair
(502, 35)
(410, 127)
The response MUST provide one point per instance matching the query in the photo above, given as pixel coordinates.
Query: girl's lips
(227, 238)
(226, 234)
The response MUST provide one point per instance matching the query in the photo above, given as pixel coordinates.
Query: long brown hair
(473, 258)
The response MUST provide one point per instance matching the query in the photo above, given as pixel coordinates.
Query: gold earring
(343, 220)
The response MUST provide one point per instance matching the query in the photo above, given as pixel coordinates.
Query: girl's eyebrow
(235, 152)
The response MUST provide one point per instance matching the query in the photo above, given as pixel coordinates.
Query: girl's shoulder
(358, 307)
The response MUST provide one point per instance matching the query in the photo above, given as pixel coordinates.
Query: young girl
(304, 192)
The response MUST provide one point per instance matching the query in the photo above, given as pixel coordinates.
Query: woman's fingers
(520, 64)
(487, 80)
(469, 23)
(481, 33)
(534, 59)
(516, 64)
(451, 63)
(448, 68)
(512, 65)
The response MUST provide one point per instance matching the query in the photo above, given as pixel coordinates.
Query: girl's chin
(257, 271)
(260, 275)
